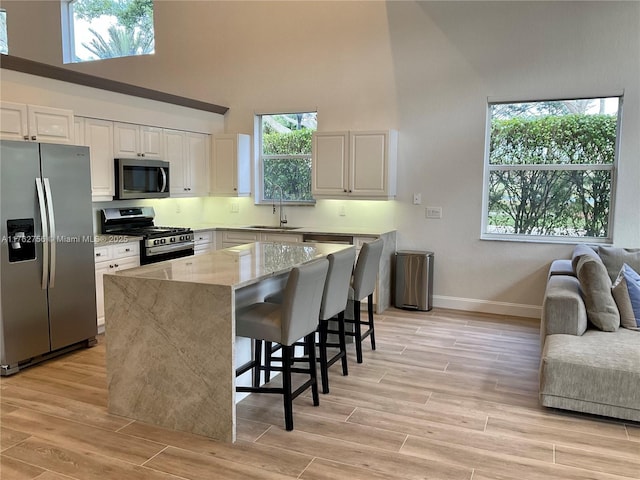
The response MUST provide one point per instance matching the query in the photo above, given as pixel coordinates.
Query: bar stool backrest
(336, 287)
(301, 300)
(366, 272)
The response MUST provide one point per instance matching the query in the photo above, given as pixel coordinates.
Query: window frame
(259, 161)
(559, 239)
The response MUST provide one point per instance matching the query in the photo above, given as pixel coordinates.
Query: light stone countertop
(363, 231)
(235, 267)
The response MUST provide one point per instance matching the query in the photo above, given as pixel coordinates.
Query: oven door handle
(169, 248)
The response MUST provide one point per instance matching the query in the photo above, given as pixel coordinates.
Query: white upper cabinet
(131, 140)
(355, 164)
(188, 154)
(231, 165)
(98, 136)
(35, 123)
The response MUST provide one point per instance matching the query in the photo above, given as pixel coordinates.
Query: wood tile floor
(447, 395)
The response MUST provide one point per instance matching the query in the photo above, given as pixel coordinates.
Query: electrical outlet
(342, 211)
(433, 212)
(417, 198)
(177, 207)
(235, 207)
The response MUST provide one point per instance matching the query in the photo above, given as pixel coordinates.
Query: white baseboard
(486, 306)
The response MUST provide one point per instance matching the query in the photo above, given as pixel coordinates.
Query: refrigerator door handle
(45, 233)
(52, 226)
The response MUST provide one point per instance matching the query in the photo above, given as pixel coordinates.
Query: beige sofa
(584, 368)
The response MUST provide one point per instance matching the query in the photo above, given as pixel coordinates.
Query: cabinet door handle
(98, 254)
(117, 265)
(110, 266)
(33, 137)
(142, 154)
(26, 137)
(127, 249)
(345, 190)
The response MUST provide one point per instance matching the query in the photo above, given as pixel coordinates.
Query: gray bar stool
(296, 317)
(363, 285)
(334, 302)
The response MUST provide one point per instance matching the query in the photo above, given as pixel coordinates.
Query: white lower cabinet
(109, 259)
(205, 241)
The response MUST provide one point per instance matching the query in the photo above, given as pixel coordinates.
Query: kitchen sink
(273, 227)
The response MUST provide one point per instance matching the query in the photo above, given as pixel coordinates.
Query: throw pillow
(578, 252)
(626, 293)
(595, 284)
(614, 257)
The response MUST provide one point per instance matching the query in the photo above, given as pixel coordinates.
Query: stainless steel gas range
(158, 243)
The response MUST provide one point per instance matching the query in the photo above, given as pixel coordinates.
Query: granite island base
(170, 333)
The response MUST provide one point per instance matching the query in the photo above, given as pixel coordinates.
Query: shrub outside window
(550, 170)
(285, 156)
(101, 29)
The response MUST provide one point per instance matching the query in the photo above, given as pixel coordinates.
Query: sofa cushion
(598, 367)
(626, 293)
(580, 251)
(561, 267)
(613, 258)
(595, 284)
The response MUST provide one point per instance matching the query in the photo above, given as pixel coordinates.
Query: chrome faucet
(283, 217)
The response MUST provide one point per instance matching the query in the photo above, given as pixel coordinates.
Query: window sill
(553, 240)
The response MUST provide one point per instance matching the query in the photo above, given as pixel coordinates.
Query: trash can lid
(413, 252)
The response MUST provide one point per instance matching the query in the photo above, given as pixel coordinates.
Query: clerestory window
(101, 29)
(550, 170)
(4, 44)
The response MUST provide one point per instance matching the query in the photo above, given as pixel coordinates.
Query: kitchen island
(170, 332)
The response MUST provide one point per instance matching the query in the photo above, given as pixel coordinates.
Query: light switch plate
(417, 198)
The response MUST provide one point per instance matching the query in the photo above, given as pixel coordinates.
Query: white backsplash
(243, 212)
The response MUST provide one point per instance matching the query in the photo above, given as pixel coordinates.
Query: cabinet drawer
(101, 253)
(239, 238)
(281, 237)
(131, 249)
(201, 238)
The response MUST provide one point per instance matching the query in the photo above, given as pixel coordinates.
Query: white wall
(425, 68)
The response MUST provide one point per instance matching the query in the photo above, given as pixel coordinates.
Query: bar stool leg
(324, 367)
(358, 330)
(286, 386)
(310, 341)
(370, 311)
(343, 343)
(257, 358)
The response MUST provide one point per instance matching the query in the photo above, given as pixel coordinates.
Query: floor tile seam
(97, 453)
(460, 429)
(360, 446)
(209, 455)
(611, 454)
(524, 461)
(45, 470)
(504, 417)
(78, 422)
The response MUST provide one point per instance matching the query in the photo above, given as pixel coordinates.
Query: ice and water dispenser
(21, 240)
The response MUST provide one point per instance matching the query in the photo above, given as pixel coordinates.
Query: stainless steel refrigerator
(47, 272)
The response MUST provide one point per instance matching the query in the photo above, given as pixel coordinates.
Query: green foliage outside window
(286, 156)
(133, 33)
(546, 200)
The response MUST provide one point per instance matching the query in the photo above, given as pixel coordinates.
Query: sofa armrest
(563, 309)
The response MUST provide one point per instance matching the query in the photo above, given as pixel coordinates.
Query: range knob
(155, 242)
(164, 240)
(172, 239)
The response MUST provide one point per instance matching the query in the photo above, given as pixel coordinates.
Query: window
(285, 156)
(549, 169)
(99, 29)
(4, 45)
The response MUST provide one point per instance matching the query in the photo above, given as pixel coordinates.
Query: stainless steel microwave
(137, 178)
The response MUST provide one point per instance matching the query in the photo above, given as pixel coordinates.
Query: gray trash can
(414, 280)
